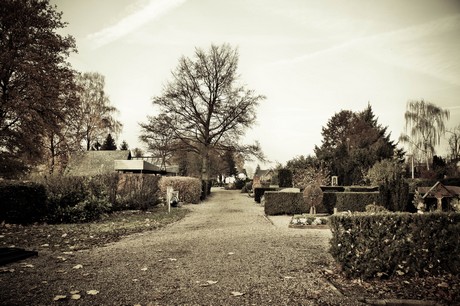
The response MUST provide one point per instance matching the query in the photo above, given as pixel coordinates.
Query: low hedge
(259, 192)
(279, 203)
(22, 202)
(137, 191)
(329, 201)
(189, 188)
(355, 201)
(388, 244)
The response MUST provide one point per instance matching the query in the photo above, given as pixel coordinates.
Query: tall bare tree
(454, 143)
(97, 115)
(425, 124)
(206, 107)
(33, 67)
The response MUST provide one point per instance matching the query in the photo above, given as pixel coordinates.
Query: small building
(440, 197)
(90, 163)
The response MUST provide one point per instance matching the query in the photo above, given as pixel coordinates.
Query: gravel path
(226, 252)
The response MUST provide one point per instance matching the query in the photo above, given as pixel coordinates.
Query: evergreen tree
(109, 143)
(352, 143)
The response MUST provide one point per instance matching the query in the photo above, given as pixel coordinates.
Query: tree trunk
(205, 171)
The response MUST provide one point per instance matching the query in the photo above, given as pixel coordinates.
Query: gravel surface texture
(225, 252)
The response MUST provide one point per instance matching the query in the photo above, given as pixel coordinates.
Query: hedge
(278, 203)
(329, 201)
(355, 201)
(189, 188)
(137, 191)
(22, 202)
(259, 192)
(389, 244)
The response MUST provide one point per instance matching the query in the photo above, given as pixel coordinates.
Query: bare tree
(159, 137)
(454, 143)
(97, 115)
(424, 128)
(206, 108)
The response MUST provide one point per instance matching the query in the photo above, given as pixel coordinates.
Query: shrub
(137, 191)
(355, 201)
(278, 203)
(259, 192)
(373, 208)
(284, 178)
(387, 244)
(74, 199)
(247, 187)
(313, 198)
(329, 201)
(22, 202)
(189, 188)
(332, 188)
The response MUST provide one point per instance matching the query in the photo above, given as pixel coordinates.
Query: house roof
(439, 190)
(95, 162)
(261, 172)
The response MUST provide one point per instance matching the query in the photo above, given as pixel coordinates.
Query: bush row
(387, 244)
(22, 202)
(189, 188)
(278, 203)
(259, 192)
(73, 199)
(355, 201)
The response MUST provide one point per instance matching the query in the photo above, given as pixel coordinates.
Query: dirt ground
(225, 252)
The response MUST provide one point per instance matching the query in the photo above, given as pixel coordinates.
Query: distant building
(440, 197)
(90, 163)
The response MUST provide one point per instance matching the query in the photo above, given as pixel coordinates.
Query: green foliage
(22, 202)
(389, 175)
(307, 170)
(329, 201)
(373, 208)
(35, 81)
(284, 178)
(391, 244)
(278, 203)
(109, 143)
(259, 192)
(352, 143)
(313, 197)
(73, 199)
(189, 188)
(355, 201)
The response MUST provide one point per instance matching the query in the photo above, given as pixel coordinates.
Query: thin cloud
(409, 47)
(153, 10)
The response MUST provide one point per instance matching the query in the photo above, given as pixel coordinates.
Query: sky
(311, 59)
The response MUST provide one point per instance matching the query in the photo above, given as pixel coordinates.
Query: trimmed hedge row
(278, 203)
(22, 202)
(259, 192)
(388, 244)
(355, 201)
(189, 188)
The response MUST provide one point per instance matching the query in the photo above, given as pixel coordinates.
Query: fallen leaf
(77, 266)
(172, 259)
(64, 235)
(59, 297)
(236, 293)
(45, 245)
(144, 269)
(92, 292)
(28, 266)
(61, 258)
(75, 297)
(74, 291)
(289, 277)
(230, 253)
(212, 282)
